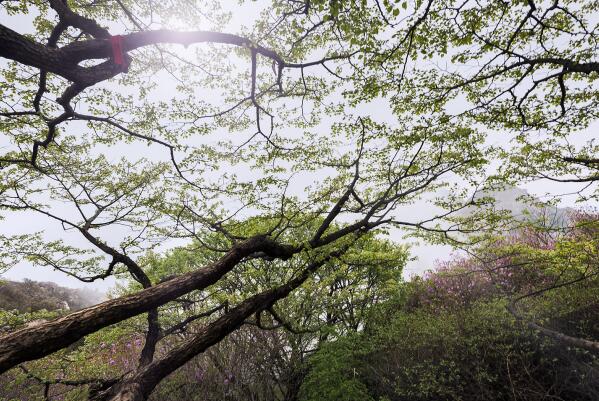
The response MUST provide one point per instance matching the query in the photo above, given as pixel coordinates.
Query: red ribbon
(117, 49)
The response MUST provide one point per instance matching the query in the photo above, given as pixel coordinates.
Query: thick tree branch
(139, 387)
(35, 342)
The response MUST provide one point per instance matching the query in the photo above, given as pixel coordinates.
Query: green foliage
(479, 353)
(13, 319)
(335, 299)
(334, 371)
(353, 109)
(450, 336)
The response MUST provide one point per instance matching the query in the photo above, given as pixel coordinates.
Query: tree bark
(142, 383)
(35, 342)
(65, 61)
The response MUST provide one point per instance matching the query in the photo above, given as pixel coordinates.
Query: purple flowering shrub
(521, 262)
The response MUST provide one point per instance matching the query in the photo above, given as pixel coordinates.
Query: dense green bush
(475, 353)
(450, 336)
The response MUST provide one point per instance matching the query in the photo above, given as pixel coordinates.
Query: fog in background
(425, 255)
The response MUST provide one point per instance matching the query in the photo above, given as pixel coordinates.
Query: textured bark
(592, 346)
(35, 342)
(67, 16)
(152, 337)
(16, 47)
(141, 384)
(65, 61)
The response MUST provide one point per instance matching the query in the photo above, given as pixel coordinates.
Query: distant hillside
(513, 199)
(518, 201)
(523, 207)
(30, 296)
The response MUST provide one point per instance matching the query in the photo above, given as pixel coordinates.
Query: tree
(267, 358)
(263, 360)
(63, 165)
(527, 69)
(272, 122)
(451, 334)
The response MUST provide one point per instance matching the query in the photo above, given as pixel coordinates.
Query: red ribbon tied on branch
(117, 51)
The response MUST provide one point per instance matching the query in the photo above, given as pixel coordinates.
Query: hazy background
(425, 255)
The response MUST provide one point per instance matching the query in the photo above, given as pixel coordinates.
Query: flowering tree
(126, 130)
(521, 267)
